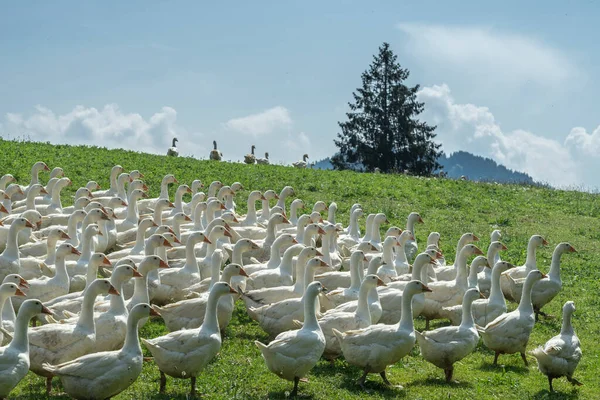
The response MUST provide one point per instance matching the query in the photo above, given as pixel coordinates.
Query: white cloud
(109, 127)
(473, 128)
(266, 122)
(488, 56)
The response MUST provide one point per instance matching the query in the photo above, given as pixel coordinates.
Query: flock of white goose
(88, 273)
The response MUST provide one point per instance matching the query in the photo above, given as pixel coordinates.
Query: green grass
(449, 207)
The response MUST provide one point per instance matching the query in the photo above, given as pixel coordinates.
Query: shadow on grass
(439, 382)
(548, 395)
(489, 367)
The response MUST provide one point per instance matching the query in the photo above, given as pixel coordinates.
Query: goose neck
(310, 315)
(467, 317)
(12, 246)
(567, 327)
(496, 295)
(355, 275)
(132, 209)
(554, 273)
(251, 213)
(117, 303)
(132, 340)
(406, 319)
(86, 318)
(164, 190)
(530, 261)
(92, 274)
(362, 309)
(20, 341)
(353, 228)
(300, 274)
(211, 323)
(526, 306)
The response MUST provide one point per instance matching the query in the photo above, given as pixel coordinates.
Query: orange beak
(319, 254)
(23, 283)
(294, 241)
(100, 233)
(171, 205)
(572, 249)
(43, 191)
(243, 272)
(163, 264)
(64, 235)
(188, 190)
(46, 168)
(544, 242)
(426, 288)
(114, 291)
(75, 251)
(144, 195)
(166, 243)
(177, 240)
(475, 238)
(262, 197)
(227, 233)
(223, 208)
(136, 274)
(19, 292)
(421, 220)
(206, 240)
(320, 231)
(187, 218)
(28, 224)
(124, 204)
(154, 313)
(380, 282)
(46, 310)
(231, 290)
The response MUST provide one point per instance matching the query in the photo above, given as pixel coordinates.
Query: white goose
(189, 313)
(9, 258)
(338, 279)
(449, 293)
(114, 173)
(340, 296)
(263, 161)
(484, 310)
(132, 218)
(448, 273)
(35, 170)
(410, 247)
(215, 154)
(280, 316)
(283, 241)
(561, 354)
(345, 321)
(509, 333)
(352, 236)
(7, 312)
(15, 356)
(105, 374)
(55, 206)
(262, 296)
(140, 239)
(445, 346)
(184, 354)
(292, 354)
(546, 289)
(303, 163)
(7, 290)
(172, 151)
(265, 211)
(521, 272)
(484, 278)
(140, 291)
(374, 348)
(57, 343)
(175, 281)
(278, 276)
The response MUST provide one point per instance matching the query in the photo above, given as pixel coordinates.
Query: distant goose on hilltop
(301, 164)
(173, 152)
(250, 158)
(214, 153)
(263, 161)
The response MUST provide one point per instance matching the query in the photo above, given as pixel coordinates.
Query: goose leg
(550, 383)
(163, 382)
(426, 324)
(524, 358)
(295, 391)
(48, 385)
(574, 381)
(193, 386)
(496, 358)
(449, 372)
(387, 382)
(361, 380)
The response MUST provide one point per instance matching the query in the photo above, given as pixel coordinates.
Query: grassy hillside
(447, 206)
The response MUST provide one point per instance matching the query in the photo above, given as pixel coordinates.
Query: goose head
(222, 288)
(433, 238)
(180, 217)
(256, 196)
(65, 249)
(366, 247)
(305, 157)
(415, 218)
(171, 238)
(198, 237)
(83, 192)
(310, 252)
(316, 263)
(184, 189)
(214, 145)
(496, 235)
(37, 190)
(565, 247)
(316, 217)
(246, 245)
(357, 256)
(469, 237)
(236, 187)
(267, 155)
(234, 270)
(22, 223)
(169, 179)
(375, 263)
(57, 172)
(287, 191)
(278, 218)
(138, 194)
(471, 295)
(197, 185)
(497, 246)
(252, 149)
(141, 311)
(33, 217)
(303, 220)
(150, 263)
(174, 141)
(164, 203)
(270, 195)
(393, 231)
(320, 206)
(17, 280)
(380, 218)
(415, 287)
(11, 289)
(568, 308)
(92, 185)
(99, 260)
(480, 261)
(124, 272)
(40, 166)
(372, 280)
(470, 250)
(286, 239)
(102, 287)
(538, 241)
(135, 174)
(314, 288)
(92, 230)
(503, 266)
(32, 307)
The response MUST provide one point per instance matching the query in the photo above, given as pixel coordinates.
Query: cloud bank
(473, 128)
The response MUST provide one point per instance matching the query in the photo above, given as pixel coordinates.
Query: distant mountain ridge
(474, 167)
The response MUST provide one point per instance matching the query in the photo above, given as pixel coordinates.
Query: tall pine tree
(382, 130)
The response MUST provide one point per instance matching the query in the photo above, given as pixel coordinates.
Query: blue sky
(514, 81)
